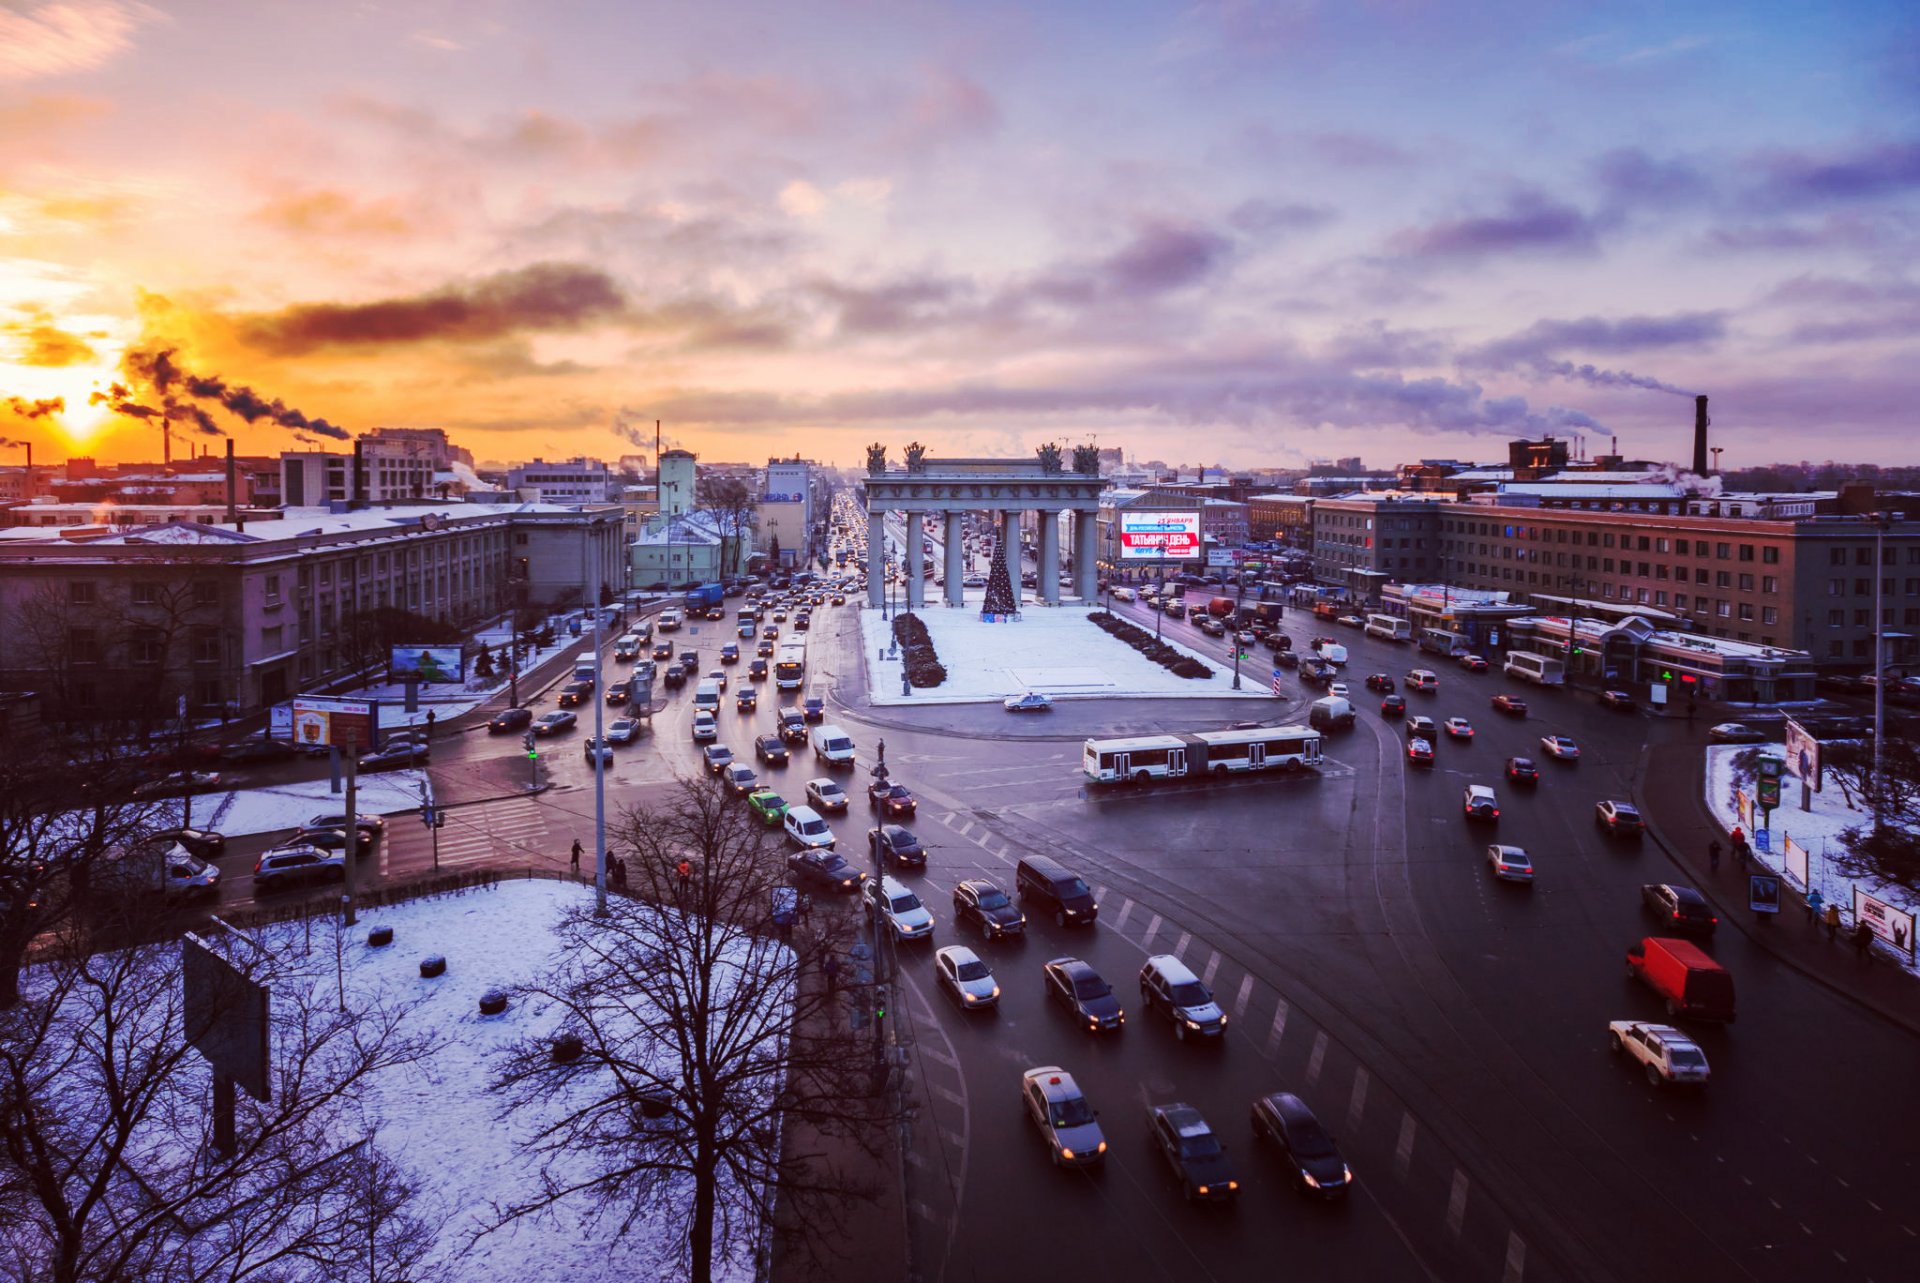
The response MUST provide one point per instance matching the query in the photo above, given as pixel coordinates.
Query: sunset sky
(1230, 232)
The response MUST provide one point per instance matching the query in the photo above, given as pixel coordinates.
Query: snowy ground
(1816, 830)
(286, 806)
(1051, 649)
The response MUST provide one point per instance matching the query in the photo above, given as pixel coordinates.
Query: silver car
(966, 977)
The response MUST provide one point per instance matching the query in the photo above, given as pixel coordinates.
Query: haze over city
(1222, 232)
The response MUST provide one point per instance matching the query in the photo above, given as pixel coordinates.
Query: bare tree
(710, 1049)
(107, 1171)
(1893, 850)
(731, 503)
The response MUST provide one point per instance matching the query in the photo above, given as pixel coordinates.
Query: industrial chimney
(233, 506)
(356, 490)
(1700, 422)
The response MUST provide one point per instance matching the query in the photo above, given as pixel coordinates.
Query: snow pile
(1817, 830)
(1053, 650)
(286, 806)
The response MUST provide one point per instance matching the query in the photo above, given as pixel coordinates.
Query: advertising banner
(1763, 893)
(427, 664)
(1743, 806)
(1891, 924)
(1158, 536)
(1797, 862)
(1220, 557)
(321, 721)
(1803, 753)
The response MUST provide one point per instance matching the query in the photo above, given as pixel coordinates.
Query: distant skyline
(1222, 231)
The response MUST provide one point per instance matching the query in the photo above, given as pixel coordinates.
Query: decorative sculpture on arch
(876, 459)
(1086, 460)
(916, 457)
(1049, 459)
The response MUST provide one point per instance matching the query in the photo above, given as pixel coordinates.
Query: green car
(768, 805)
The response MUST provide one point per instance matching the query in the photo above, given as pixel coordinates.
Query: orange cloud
(325, 212)
(40, 342)
(59, 39)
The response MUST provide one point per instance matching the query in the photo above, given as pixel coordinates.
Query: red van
(1692, 983)
(1220, 607)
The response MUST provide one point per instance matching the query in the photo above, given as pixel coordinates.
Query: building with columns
(945, 489)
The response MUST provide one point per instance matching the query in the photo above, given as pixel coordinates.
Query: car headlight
(1202, 1190)
(1233, 1185)
(1308, 1177)
(1066, 1153)
(995, 993)
(1101, 1148)
(1346, 1173)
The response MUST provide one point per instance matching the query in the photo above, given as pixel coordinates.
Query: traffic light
(1577, 649)
(532, 745)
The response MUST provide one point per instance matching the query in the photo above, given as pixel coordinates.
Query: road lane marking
(1403, 1152)
(1153, 929)
(1213, 969)
(948, 1093)
(934, 1053)
(1358, 1103)
(965, 830)
(1318, 1058)
(1099, 894)
(1457, 1206)
(1246, 992)
(1180, 946)
(1126, 909)
(1516, 1258)
(1279, 1027)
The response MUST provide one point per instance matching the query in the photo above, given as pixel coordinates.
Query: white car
(1054, 1103)
(1560, 746)
(804, 825)
(901, 908)
(1123, 594)
(966, 977)
(705, 728)
(826, 795)
(1510, 863)
(1668, 1055)
(1478, 803)
(1031, 702)
(623, 730)
(1337, 688)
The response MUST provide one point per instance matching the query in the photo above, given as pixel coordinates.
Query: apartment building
(569, 481)
(1362, 542)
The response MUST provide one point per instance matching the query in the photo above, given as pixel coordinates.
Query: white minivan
(804, 825)
(706, 697)
(833, 744)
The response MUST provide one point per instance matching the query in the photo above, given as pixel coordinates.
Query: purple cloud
(1799, 178)
(1165, 257)
(1538, 347)
(1530, 222)
(1258, 217)
(1630, 176)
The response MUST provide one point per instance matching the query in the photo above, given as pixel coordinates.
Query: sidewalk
(1672, 798)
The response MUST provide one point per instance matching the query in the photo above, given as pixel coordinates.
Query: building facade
(697, 547)
(786, 511)
(1362, 542)
(679, 474)
(568, 481)
(1283, 518)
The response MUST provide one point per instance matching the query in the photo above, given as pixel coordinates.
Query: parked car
(967, 979)
(1665, 1054)
(256, 748)
(1315, 1162)
(178, 784)
(1619, 819)
(988, 908)
(1076, 986)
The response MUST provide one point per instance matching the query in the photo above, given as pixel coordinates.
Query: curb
(1767, 938)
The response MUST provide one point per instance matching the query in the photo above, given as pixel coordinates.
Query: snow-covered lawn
(1051, 649)
(1816, 830)
(286, 806)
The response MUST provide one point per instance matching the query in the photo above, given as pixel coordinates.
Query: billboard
(1803, 752)
(226, 1017)
(1797, 863)
(1891, 924)
(1159, 536)
(427, 664)
(1221, 557)
(322, 721)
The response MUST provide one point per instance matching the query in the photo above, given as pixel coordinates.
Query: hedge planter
(922, 665)
(380, 936)
(431, 966)
(1169, 657)
(493, 1002)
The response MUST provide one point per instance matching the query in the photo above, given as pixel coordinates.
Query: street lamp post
(1879, 670)
(1240, 601)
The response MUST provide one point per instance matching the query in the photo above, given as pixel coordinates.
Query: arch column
(916, 593)
(1086, 553)
(876, 559)
(1010, 533)
(1049, 573)
(956, 560)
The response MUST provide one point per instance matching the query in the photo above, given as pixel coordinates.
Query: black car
(1286, 659)
(894, 845)
(663, 649)
(1521, 770)
(1380, 682)
(1076, 986)
(619, 692)
(1193, 1151)
(1393, 706)
(674, 677)
(1315, 1160)
(729, 654)
(793, 727)
(332, 840)
(746, 700)
(509, 719)
(757, 670)
(399, 750)
(1678, 908)
(988, 907)
(770, 749)
(825, 868)
(815, 709)
(574, 693)
(202, 843)
(255, 748)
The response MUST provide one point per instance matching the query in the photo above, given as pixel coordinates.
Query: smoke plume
(1599, 378)
(158, 368)
(37, 409)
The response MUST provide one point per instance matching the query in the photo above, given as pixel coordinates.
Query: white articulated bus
(1391, 627)
(1543, 670)
(790, 664)
(1168, 757)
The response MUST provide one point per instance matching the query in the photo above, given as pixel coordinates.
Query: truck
(156, 868)
(705, 597)
(1269, 613)
(1692, 983)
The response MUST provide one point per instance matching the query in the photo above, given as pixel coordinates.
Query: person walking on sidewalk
(1713, 855)
(1814, 901)
(1863, 941)
(832, 969)
(1832, 917)
(576, 855)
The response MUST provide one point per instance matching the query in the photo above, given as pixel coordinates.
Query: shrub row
(1169, 657)
(924, 668)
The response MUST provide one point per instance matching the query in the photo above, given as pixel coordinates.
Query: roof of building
(701, 526)
(297, 523)
(1598, 490)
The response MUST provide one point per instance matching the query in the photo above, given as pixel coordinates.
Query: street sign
(1276, 681)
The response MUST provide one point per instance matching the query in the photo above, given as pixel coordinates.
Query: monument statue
(1086, 460)
(1049, 459)
(876, 459)
(916, 457)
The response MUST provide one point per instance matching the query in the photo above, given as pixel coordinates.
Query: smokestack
(1700, 422)
(356, 489)
(233, 506)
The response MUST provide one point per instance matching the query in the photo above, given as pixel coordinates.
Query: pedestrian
(1863, 941)
(576, 855)
(1713, 855)
(1814, 901)
(832, 969)
(620, 873)
(1832, 917)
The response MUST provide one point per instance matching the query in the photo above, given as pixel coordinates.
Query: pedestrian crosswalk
(510, 828)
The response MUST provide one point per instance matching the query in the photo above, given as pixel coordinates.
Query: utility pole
(353, 831)
(590, 585)
(1879, 672)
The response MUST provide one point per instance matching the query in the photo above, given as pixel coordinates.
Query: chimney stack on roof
(1700, 422)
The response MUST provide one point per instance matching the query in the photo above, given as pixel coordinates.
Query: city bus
(1140, 758)
(1391, 627)
(1542, 670)
(1439, 641)
(790, 664)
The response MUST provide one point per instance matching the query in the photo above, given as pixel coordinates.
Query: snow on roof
(1583, 490)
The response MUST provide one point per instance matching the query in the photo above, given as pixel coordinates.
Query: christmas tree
(1000, 598)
